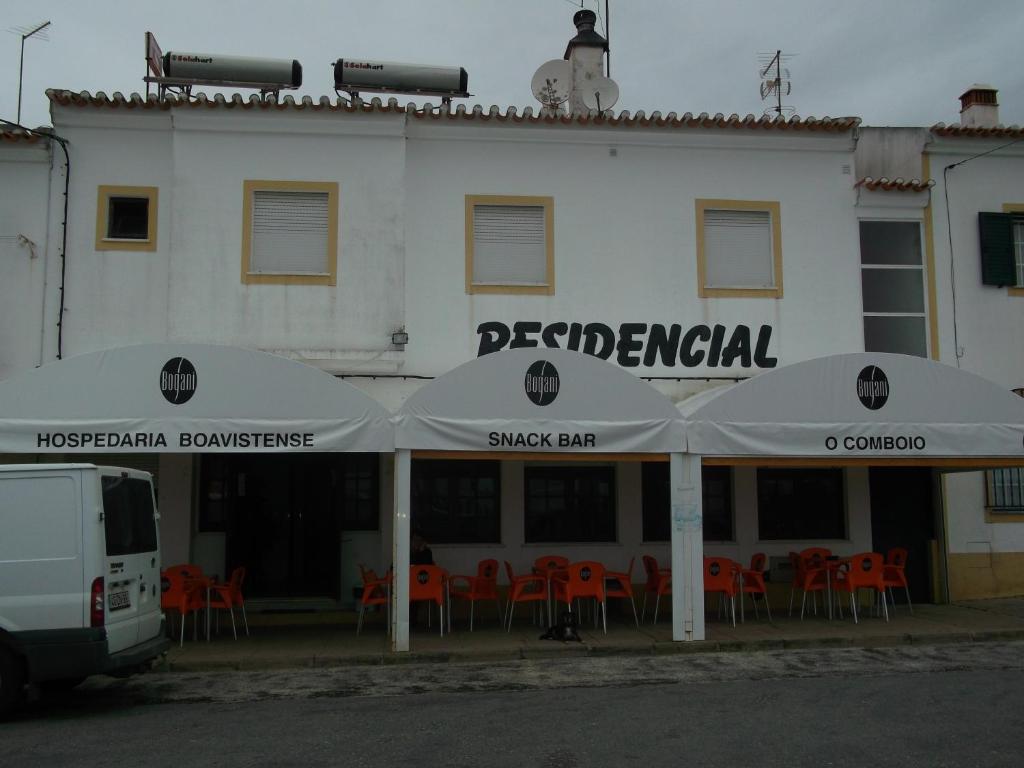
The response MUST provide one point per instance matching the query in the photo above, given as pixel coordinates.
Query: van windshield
(128, 516)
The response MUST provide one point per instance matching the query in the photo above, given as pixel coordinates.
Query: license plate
(118, 600)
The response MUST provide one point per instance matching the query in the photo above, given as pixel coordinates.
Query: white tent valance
(539, 399)
(866, 405)
(185, 398)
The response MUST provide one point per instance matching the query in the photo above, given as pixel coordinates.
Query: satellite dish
(550, 84)
(599, 94)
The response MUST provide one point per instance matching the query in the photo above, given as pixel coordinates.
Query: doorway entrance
(902, 515)
(284, 516)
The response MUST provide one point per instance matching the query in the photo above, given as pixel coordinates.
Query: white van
(79, 575)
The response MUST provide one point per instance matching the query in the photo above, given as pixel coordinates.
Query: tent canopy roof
(539, 399)
(862, 404)
(171, 389)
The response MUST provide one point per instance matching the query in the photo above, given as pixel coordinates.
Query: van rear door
(132, 559)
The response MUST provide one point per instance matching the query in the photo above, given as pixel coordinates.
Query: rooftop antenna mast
(26, 32)
(775, 80)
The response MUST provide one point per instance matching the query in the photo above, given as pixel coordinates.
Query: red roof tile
(15, 134)
(997, 132)
(460, 112)
(895, 185)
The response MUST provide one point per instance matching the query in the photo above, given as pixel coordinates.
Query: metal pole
(21, 63)
(608, 37)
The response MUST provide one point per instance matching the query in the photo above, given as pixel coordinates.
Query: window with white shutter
(290, 232)
(739, 248)
(509, 244)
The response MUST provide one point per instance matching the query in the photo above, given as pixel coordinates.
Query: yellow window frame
(548, 203)
(249, 188)
(771, 207)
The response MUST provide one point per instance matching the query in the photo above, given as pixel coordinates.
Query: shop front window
(570, 504)
(799, 504)
(456, 502)
(717, 502)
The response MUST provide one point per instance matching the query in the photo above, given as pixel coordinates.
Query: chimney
(585, 54)
(979, 108)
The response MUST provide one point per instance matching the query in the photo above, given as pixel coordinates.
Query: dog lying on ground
(564, 630)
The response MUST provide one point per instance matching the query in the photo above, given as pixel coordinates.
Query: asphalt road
(956, 705)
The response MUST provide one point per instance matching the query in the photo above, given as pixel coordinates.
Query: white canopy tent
(858, 409)
(185, 398)
(557, 403)
(861, 407)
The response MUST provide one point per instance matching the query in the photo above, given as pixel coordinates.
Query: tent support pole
(687, 542)
(400, 553)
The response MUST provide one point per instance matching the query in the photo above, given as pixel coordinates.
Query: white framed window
(1005, 490)
(509, 244)
(739, 248)
(290, 232)
(893, 287)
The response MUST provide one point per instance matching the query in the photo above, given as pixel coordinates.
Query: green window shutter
(996, 233)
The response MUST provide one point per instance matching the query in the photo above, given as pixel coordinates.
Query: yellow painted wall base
(978, 576)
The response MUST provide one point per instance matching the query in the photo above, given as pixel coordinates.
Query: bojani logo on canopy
(542, 383)
(178, 380)
(873, 387)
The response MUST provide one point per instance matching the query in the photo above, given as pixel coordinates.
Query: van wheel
(63, 684)
(12, 681)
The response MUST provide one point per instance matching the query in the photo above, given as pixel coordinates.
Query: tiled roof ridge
(429, 111)
(17, 134)
(974, 131)
(898, 184)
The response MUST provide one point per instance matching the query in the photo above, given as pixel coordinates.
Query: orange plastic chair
(376, 591)
(720, 577)
(483, 586)
(620, 584)
(865, 572)
(183, 596)
(659, 582)
(582, 580)
(427, 583)
(227, 596)
(528, 588)
(812, 578)
(549, 563)
(894, 575)
(752, 583)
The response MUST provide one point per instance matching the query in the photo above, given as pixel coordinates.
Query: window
(290, 232)
(795, 504)
(128, 516)
(126, 218)
(355, 484)
(1005, 490)
(892, 285)
(570, 504)
(510, 244)
(716, 484)
(1002, 248)
(456, 502)
(739, 249)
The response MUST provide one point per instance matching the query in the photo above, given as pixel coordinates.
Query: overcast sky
(889, 62)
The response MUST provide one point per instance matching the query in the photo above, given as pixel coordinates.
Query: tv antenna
(40, 33)
(775, 80)
(550, 84)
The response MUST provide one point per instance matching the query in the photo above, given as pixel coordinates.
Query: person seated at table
(419, 554)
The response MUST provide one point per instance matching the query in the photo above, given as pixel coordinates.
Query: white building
(690, 250)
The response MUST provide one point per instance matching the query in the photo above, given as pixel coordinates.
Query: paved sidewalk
(280, 641)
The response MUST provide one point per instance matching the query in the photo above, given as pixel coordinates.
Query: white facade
(624, 194)
(25, 248)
